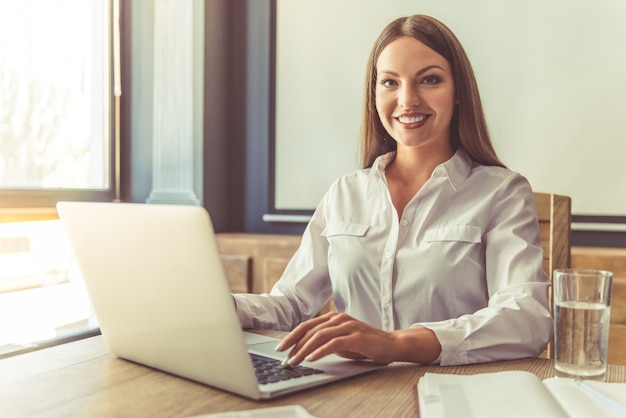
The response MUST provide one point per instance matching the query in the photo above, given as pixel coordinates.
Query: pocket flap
(465, 233)
(345, 228)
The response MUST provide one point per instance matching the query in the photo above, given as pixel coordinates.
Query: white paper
(578, 403)
(289, 411)
(509, 394)
(517, 394)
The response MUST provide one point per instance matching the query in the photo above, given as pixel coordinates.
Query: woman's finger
(299, 332)
(335, 335)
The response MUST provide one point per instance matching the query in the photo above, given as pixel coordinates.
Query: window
(55, 107)
(59, 91)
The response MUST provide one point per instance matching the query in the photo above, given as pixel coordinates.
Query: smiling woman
(446, 239)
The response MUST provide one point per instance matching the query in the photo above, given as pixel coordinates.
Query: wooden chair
(555, 219)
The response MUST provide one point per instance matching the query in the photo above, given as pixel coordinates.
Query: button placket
(386, 278)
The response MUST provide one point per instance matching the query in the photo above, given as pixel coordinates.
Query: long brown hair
(468, 128)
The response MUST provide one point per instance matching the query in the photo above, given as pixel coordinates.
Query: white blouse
(465, 260)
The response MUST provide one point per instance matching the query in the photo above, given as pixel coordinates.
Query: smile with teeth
(412, 119)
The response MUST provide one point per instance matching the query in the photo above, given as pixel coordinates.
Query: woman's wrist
(416, 345)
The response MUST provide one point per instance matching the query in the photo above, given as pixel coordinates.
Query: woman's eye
(387, 83)
(431, 79)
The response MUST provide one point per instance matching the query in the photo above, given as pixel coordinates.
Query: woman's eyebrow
(429, 67)
(420, 72)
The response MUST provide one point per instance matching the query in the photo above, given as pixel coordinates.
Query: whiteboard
(552, 76)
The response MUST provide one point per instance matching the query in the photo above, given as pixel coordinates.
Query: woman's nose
(409, 96)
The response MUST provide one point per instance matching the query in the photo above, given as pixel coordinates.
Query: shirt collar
(382, 162)
(457, 168)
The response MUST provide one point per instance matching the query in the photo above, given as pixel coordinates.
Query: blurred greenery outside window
(57, 129)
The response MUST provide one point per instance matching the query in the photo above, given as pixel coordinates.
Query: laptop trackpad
(252, 338)
(267, 348)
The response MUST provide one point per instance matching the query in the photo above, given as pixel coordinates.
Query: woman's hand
(339, 333)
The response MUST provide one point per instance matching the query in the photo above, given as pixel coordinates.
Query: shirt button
(404, 222)
(388, 255)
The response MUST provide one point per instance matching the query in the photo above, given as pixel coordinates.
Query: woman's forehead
(407, 52)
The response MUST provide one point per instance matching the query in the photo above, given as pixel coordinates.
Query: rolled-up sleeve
(302, 290)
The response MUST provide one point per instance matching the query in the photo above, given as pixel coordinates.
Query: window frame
(28, 204)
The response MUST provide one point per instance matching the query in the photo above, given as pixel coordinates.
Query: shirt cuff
(243, 312)
(454, 347)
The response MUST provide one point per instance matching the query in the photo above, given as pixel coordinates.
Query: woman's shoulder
(354, 176)
(351, 181)
(464, 170)
(496, 178)
(497, 172)
(366, 175)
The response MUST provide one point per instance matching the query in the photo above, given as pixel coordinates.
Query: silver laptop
(162, 299)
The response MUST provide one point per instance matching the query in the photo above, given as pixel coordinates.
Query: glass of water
(582, 303)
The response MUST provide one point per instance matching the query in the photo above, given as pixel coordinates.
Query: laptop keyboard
(269, 370)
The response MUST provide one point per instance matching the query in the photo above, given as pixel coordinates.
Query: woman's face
(414, 94)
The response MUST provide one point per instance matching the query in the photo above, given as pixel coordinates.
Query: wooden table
(82, 379)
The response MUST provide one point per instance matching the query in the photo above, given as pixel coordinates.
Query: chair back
(554, 213)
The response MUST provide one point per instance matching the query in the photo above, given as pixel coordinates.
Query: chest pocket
(347, 252)
(345, 228)
(462, 233)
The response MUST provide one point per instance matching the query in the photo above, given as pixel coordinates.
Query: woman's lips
(412, 120)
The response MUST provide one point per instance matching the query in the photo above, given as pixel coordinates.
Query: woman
(431, 252)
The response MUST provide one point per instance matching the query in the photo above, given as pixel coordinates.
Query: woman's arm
(516, 322)
(303, 289)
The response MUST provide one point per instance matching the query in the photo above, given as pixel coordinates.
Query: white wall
(552, 76)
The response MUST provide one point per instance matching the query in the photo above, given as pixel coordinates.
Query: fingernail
(309, 357)
(285, 362)
(291, 361)
(279, 347)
